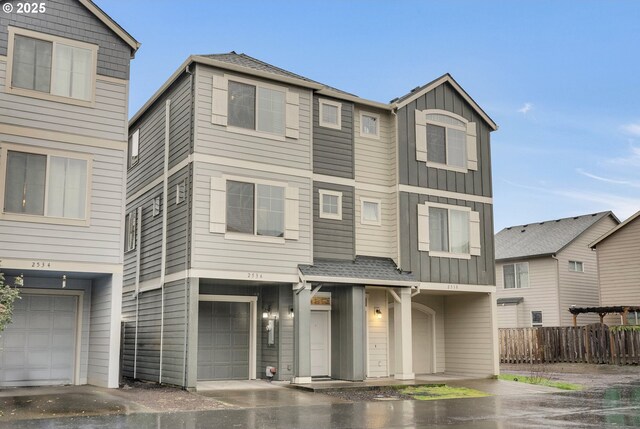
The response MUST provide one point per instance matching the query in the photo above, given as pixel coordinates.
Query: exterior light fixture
(291, 313)
(266, 312)
(64, 281)
(378, 313)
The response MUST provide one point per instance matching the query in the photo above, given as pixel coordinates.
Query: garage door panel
(37, 339)
(222, 340)
(40, 303)
(13, 359)
(63, 304)
(222, 322)
(39, 320)
(38, 358)
(63, 321)
(16, 339)
(62, 340)
(19, 318)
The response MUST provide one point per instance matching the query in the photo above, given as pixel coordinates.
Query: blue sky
(561, 79)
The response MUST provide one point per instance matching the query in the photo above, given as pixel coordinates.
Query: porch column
(302, 334)
(402, 336)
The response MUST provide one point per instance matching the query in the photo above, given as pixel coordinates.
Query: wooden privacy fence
(595, 343)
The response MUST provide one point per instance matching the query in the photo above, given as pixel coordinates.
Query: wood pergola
(622, 310)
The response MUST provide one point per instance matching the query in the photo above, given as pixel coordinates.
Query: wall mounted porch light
(378, 313)
(291, 313)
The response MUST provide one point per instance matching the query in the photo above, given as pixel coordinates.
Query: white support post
(402, 335)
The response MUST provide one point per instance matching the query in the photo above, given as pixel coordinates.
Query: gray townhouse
(64, 86)
(273, 221)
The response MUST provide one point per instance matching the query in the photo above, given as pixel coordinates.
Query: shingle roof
(542, 238)
(510, 301)
(245, 60)
(363, 267)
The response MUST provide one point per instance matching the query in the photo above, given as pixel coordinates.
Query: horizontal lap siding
(436, 303)
(99, 242)
(469, 334)
(581, 289)
(212, 251)
(377, 334)
(332, 148)
(477, 270)
(377, 240)
(149, 324)
(541, 295)
(216, 140)
(375, 159)
(100, 331)
(174, 332)
(179, 223)
(333, 238)
(70, 19)
(106, 120)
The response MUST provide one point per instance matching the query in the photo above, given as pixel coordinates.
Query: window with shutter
(448, 231)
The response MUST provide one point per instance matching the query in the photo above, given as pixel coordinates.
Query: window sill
(450, 255)
(447, 167)
(330, 216)
(330, 125)
(371, 222)
(44, 219)
(247, 132)
(369, 136)
(50, 97)
(514, 288)
(255, 238)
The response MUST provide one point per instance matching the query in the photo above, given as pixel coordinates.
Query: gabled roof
(114, 26)
(616, 229)
(371, 269)
(543, 238)
(421, 90)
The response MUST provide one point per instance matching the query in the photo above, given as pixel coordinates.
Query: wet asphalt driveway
(610, 407)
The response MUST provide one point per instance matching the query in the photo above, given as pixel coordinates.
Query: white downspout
(165, 195)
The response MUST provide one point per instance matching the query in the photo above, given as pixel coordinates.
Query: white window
(516, 276)
(330, 114)
(40, 184)
(448, 231)
(134, 148)
(370, 125)
(446, 140)
(256, 108)
(255, 209)
(181, 191)
(576, 266)
(131, 231)
(330, 204)
(536, 318)
(370, 211)
(51, 65)
(157, 206)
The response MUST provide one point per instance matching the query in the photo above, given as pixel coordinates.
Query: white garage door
(421, 342)
(38, 347)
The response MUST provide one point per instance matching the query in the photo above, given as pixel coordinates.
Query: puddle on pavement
(57, 405)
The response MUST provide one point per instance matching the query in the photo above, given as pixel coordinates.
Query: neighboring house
(276, 221)
(544, 268)
(64, 85)
(618, 253)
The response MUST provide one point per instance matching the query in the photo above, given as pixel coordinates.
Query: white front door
(320, 345)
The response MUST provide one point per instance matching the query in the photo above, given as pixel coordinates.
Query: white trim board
(67, 266)
(445, 194)
(455, 287)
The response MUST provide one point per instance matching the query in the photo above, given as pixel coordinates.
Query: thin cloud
(633, 129)
(526, 108)
(609, 180)
(632, 160)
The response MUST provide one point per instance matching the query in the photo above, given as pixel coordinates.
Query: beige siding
(100, 241)
(581, 289)
(436, 303)
(618, 257)
(216, 140)
(377, 240)
(212, 251)
(507, 316)
(470, 334)
(541, 295)
(377, 333)
(106, 120)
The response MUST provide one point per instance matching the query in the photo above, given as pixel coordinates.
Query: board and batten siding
(216, 140)
(619, 270)
(348, 333)
(333, 238)
(469, 334)
(416, 173)
(70, 19)
(106, 120)
(541, 295)
(332, 148)
(151, 128)
(477, 270)
(581, 289)
(212, 251)
(100, 241)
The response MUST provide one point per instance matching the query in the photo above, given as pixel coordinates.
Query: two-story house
(544, 268)
(64, 85)
(618, 255)
(276, 221)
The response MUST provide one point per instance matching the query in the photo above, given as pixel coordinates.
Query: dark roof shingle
(363, 267)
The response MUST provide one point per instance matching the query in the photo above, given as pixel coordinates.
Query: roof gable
(114, 26)
(615, 230)
(543, 238)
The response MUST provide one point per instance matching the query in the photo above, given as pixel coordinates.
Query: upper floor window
(131, 230)
(51, 66)
(576, 266)
(448, 231)
(255, 209)
(446, 140)
(46, 184)
(370, 125)
(330, 114)
(516, 276)
(256, 108)
(370, 210)
(330, 204)
(134, 148)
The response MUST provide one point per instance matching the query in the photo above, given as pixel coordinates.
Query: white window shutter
(219, 101)
(292, 214)
(472, 146)
(218, 207)
(474, 233)
(421, 136)
(423, 227)
(292, 115)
